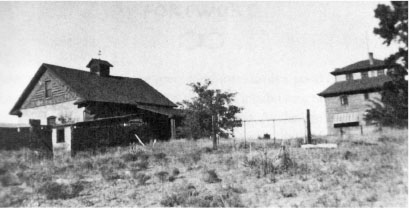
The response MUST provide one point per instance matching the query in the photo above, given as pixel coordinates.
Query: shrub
(175, 172)
(140, 165)
(9, 179)
(288, 191)
(162, 175)
(141, 178)
(210, 176)
(188, 196)
(327, 200)
(348, 155)
(207, 150)
(262, 165)
(159, 156)
(109, 174)
(191, 158)
(172, 178)
(135, 156)
(32, 177)
(86, 165)
(53, 190)
(15, 197)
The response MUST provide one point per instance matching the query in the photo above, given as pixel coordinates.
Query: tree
(392, 109)
(211, 112)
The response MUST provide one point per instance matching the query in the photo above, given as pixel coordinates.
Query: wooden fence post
(308, 127)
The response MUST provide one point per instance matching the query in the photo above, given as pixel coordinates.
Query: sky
(276, 55)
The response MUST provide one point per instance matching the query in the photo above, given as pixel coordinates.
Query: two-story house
(347, 99)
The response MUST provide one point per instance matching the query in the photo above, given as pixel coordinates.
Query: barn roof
(355, 86)
(91, 87)
(359, 66)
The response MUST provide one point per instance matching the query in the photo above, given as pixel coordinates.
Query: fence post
(244, 124)
(274, 128)
(308, 127)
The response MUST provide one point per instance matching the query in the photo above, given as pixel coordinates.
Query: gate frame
(307, 126)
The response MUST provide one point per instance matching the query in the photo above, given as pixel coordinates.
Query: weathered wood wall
(14, 138)
(60, 92)
(356, 103)
(33, 138)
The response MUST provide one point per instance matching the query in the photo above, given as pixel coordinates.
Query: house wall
(356, 103)
(60, 103)
(66, 109)
(65, 147)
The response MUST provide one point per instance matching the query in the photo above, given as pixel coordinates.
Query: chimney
(99, 67)
(371, 62)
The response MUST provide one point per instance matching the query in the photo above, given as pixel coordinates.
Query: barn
(68, 100)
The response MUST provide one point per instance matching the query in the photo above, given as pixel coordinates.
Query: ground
(363, 171)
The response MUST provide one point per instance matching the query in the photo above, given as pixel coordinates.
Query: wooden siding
(60, 93)
(356, 103)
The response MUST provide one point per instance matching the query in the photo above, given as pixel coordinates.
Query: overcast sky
(276, 55)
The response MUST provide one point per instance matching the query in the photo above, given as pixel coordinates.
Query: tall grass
(368, 170)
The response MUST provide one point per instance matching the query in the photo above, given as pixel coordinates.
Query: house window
(364, 75)
(51, 121)
(349, 77)
(60, 136)
(381, 72)
(344, 100)
(47, 85)
(366, 96)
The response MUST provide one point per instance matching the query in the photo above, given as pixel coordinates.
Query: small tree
(393, 27)
(211, 112)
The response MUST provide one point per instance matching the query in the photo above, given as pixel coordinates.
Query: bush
(210, 176)
(162, 176)
(348, 155)
(191, 158)
(140, 165)
(135, 156)
(288, 191)
(15, 197)
(109, 174)
(159, 156)
(86, 165)
(172, 178)
(175, 172)
(188, 196)
(53, 190)
(32, 177)
(141, 178)
(9, 179)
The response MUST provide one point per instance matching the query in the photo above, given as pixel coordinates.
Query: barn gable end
(60, 92)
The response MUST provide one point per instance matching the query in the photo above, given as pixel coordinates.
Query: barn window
(381, 72)
(60, 136)
(344, 100)
(349, 77)
(366, 96)
(47, 85)
(51, 121)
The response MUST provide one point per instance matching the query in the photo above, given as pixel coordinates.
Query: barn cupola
(99, 67)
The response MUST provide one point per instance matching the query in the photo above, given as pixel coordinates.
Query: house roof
(355, 86)
(92, 87)
(363, 65)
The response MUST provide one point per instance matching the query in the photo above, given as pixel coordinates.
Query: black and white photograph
(203, 104)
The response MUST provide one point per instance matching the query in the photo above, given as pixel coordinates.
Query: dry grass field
(364, 171)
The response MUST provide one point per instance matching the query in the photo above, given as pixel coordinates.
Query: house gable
(60, 92)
